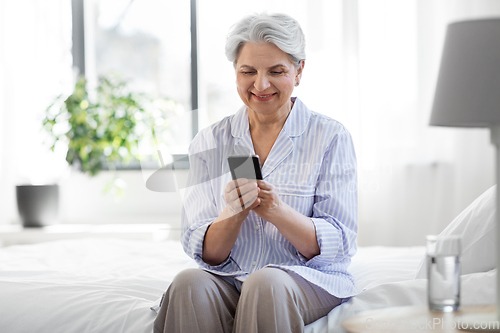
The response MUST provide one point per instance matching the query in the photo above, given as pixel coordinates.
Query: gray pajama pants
(271, 300)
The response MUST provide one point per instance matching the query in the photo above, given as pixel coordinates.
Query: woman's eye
(247, 73)
(276, 73)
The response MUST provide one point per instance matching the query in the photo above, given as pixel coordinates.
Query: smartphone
(245, 167)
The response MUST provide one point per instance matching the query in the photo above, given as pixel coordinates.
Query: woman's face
(265, 78)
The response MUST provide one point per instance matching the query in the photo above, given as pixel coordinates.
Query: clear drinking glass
(443, 272)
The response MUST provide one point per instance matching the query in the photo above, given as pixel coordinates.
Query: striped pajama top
(312, 164)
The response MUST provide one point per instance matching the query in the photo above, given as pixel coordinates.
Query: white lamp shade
(468, 87)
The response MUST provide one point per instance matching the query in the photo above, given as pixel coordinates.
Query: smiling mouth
(264, 96)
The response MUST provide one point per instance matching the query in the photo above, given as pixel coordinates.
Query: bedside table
(414, 319)
(17, 235)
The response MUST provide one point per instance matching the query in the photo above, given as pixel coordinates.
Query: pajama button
(256, 227)
(254, 263)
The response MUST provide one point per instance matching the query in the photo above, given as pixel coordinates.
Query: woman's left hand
(297, 228)
(270, 204)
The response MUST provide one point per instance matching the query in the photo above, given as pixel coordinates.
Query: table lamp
(468, 94)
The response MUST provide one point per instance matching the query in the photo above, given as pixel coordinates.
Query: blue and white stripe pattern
(313, 166)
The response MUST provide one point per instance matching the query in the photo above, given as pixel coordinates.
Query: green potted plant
(102, 128)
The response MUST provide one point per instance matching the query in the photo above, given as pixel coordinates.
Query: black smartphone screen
(245, 167)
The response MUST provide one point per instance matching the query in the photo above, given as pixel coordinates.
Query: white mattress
(109, 285)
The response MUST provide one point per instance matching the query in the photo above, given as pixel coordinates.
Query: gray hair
(278, 29)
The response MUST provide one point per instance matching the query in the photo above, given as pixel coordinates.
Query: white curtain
(35, 66)
(413, 179)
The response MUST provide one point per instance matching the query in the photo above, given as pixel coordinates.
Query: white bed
(109, 285)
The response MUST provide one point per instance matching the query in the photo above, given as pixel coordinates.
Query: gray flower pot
(37, 204)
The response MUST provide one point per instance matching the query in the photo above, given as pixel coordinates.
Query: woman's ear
(301, 65)
(299, 71)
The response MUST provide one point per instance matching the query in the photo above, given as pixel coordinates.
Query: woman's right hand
(241, 195)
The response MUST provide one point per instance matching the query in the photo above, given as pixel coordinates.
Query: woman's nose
(261, 82)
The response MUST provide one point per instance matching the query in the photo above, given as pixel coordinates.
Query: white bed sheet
(109, 285)
(87, 285)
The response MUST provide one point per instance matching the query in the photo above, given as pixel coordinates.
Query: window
(148, 43)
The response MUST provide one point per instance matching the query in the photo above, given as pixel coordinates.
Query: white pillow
(477, 227)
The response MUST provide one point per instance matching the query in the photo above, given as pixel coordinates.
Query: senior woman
(273, 253)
